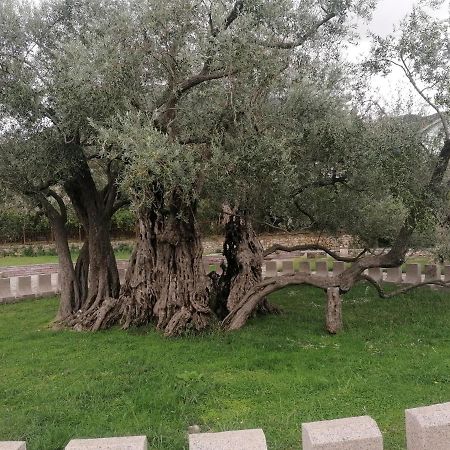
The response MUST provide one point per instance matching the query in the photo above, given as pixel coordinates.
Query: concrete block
(13, 445)
(122, 273)
(5, 288)
(229, 440)
(376, 273)
(117, 443)
(354, 433)
(432, 272)
(413, 274)
(45, 286)
(271, 269)
(305, 267)
(287, 267)
(447, 274)
(322, 268)
(338, 267)
(428, 428)
(394, 275)
(24, 287)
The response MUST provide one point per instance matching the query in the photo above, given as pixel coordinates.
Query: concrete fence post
(394, 275)
(13, 445)
(354, 433)
(117, 443)
(376, 273)
(5, 288)
(229, 440)
(24, 287)
(287, 267)
(322, 268)
(305, 267)
(338, 267)
(45, 284)
(432, 272)
(271, 269)
(413, 274)
(428, 428)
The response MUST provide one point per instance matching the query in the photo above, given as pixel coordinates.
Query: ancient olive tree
(205, 57)
(421, 51)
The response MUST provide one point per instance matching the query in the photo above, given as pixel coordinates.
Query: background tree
(420, 50)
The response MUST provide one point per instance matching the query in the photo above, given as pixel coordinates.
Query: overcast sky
(388, 15)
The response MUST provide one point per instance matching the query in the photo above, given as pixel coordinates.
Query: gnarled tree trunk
(165, 282)
(94, 209)
(244, 255)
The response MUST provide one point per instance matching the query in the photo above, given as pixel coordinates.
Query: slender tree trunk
(70, 292)
(94, 209)
(333, 311)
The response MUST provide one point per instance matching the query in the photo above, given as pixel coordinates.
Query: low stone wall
(18, 283)
(427, 428)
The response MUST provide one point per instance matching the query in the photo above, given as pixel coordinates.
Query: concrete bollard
(354, 433)
(13, 445)
(322, 268)
(271, 269)
(5, 288)
(447, 274)
(394, 275)
(432, 272)
(229, 440)
(413, 274)
(117, 443)
(428, 428)
(338, 267)
(45, 284)
(122, 273)
(24, 287)
(376, 273)
(287, 267)
(305, 267)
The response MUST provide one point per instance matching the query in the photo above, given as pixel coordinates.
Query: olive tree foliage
(212, 65)
(409, 167)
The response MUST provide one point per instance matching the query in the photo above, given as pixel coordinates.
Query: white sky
(386, 17)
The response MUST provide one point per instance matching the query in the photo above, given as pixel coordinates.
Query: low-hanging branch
(383, 294)
(304, 247)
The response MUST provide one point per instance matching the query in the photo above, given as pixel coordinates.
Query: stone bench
(229, 440)
(115, 443)
(13, 445)
(428, 428)
(355, 433)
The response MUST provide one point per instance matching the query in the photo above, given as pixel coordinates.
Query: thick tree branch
(383, 294)
(279, 247)
(287, 45)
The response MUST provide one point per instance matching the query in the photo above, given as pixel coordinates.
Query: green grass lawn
(47, 259)
(276, 373)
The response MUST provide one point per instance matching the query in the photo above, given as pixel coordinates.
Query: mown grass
(6, 261)
(276, 373)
